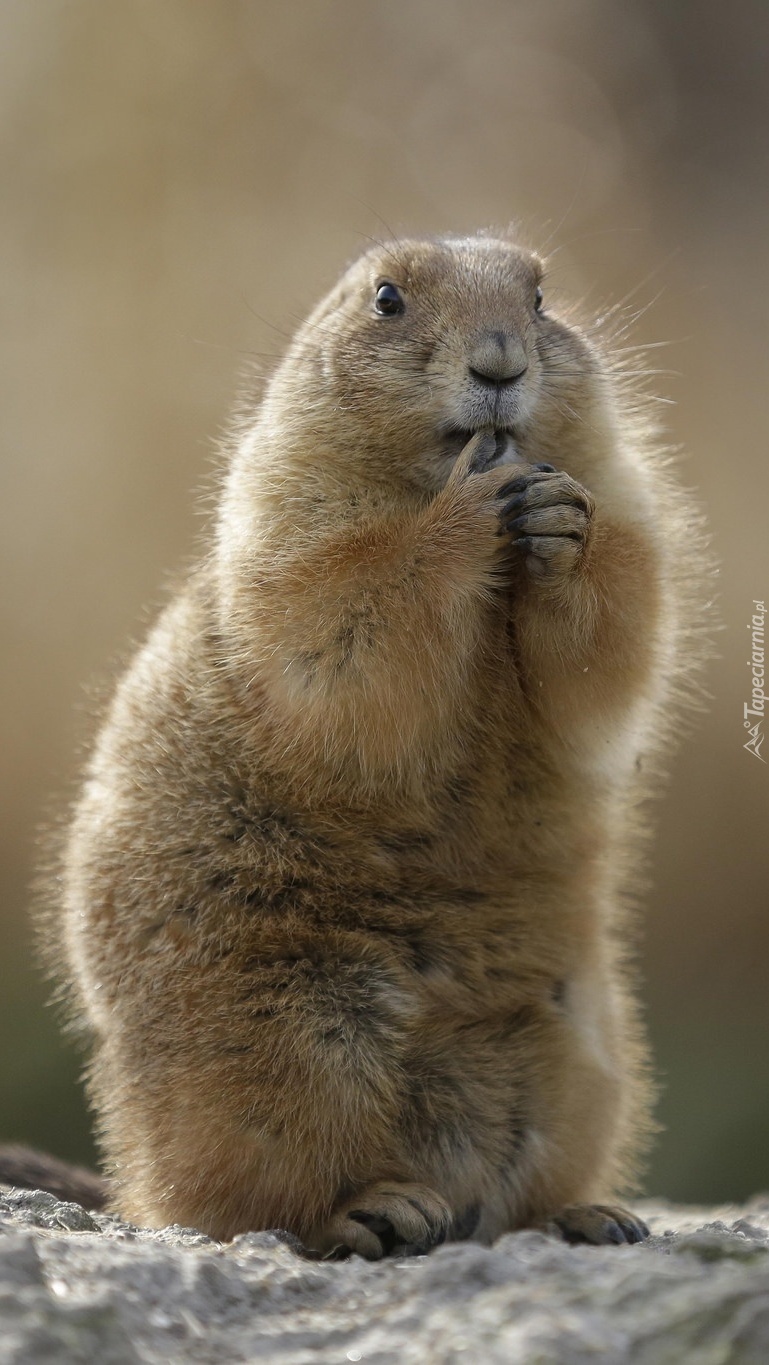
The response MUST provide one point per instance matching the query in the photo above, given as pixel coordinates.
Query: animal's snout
(497, 359)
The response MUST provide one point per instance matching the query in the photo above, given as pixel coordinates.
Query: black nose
(494, 377)
(497, 359)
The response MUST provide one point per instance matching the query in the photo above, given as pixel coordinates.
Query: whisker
(588, 237)
(231, 350)
(651, 345)
(662, 265)
(572, 202)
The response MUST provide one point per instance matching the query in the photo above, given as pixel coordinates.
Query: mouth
(505, 444)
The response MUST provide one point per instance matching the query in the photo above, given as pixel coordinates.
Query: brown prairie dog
(344, 893)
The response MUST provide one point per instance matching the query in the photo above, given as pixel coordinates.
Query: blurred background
(181, 181)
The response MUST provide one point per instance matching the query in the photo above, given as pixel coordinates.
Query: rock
(78, 1288)
(37, 1209)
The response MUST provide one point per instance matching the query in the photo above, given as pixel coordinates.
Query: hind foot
(598, 1224)
(386, 1219)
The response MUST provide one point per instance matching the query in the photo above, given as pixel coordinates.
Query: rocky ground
(86, 1289)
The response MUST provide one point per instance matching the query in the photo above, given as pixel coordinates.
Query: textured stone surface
(86, 1288)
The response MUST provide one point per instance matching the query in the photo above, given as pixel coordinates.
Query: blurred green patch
(42, 1099)
(714, 1114)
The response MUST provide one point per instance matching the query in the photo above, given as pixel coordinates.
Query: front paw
(549, 516)
(598, 1224)
(386, 1219)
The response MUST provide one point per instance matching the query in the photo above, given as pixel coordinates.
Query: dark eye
(388, 300)
(538, 297)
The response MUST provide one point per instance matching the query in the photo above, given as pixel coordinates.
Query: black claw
(633, 1233)
(517, 523)
(513, 505)
(373, 1221)
(616, 1227)
(569, 1234)
(514, 486)
(384, 1230)
(614, 1233)
(636, 1230)
(546, 468)
(381, 1227)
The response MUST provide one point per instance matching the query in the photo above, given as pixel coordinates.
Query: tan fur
(344, 896)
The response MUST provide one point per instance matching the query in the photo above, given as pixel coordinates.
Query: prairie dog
(344, 895)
